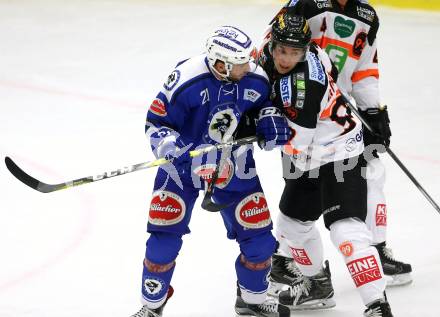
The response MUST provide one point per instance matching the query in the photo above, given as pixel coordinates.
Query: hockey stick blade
(211, 206)
(29, 180)
(207, 202)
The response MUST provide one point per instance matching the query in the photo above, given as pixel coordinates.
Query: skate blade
(315, 305)
(398, 280)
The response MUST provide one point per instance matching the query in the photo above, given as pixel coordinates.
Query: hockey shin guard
(253, 266)
(353, 240)
(303, 243)
(377, 210)
(159, 264)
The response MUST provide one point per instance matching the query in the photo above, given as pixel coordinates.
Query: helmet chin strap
(222, 76)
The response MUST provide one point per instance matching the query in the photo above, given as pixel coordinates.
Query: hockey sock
(303, 243)
(377, 210)
(353, 240)
(155, 283)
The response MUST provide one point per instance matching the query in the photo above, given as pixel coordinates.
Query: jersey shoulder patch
(316, 70)
(184, 74)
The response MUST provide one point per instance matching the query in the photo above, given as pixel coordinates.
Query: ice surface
(76, 78)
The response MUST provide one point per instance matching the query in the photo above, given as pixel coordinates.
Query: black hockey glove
(379, 121)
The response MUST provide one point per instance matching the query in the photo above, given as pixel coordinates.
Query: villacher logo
(166, 208)
(252, 212)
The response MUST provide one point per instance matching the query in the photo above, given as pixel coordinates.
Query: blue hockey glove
(272, 128)
(167, 144)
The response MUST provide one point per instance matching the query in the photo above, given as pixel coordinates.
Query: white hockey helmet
(229, 45)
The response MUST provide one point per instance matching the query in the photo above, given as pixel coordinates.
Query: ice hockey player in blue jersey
(204, 101)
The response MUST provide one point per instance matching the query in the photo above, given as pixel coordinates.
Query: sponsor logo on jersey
(316, 71)
(364, 270)
(344, 28)
(158, 108)
(381, 215)
(222, 125)
(206, 171)
(300, 94)
(172, 80)
(166, 208)
(300, 256)
(338, 55)
(350, 145)
(321, 4)
(252, 212)
(301, 84)
(251, 95)
(346, 248)
(365, 13)
(153, 285)
(286, 91)
(359, 43)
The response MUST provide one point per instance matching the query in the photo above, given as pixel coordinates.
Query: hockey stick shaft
(395, 158)
(48, 188)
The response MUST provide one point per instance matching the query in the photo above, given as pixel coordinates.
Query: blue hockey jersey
(203, 109)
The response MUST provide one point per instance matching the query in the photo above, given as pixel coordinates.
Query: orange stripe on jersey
(323, 42)
(359, 75)
(290, 150)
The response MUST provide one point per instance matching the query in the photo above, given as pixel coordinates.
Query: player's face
(286, 57)
(342, 2)
(239, 71)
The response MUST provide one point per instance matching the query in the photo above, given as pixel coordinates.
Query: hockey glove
(272, 128)
(167, 144)
(379, 121)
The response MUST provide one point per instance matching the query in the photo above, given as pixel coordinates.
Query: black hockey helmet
(291, 30)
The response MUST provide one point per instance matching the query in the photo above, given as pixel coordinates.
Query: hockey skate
(157, 312)
(379, 308)
(284, 273)
(270, 308)
(310, 293)
(397, 273)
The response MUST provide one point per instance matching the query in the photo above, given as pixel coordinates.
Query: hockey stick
(393, 156)
(48, 188)
(207, 202)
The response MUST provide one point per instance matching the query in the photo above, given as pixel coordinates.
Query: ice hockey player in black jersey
(322, 166)
(346, 30)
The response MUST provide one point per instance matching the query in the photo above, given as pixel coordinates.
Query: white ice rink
(76, 79)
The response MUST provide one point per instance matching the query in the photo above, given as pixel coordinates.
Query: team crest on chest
(222, 124)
